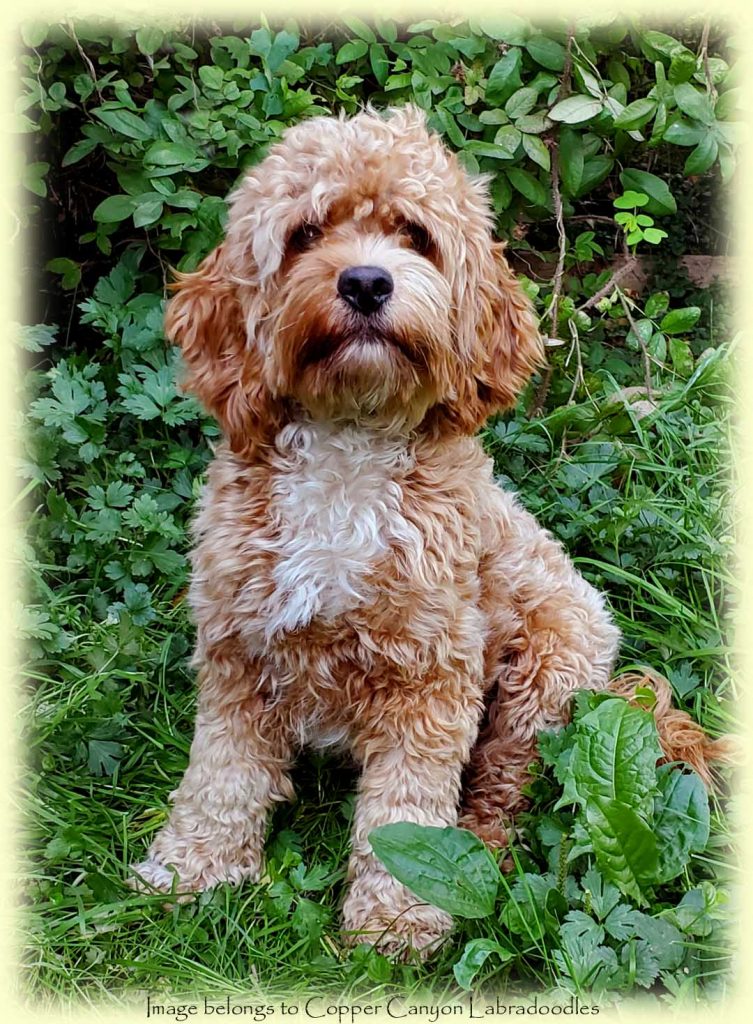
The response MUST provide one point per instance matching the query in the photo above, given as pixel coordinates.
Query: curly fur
(359, 578)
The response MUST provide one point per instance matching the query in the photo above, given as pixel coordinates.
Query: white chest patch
(336, 506)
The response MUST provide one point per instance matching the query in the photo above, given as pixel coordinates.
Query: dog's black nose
(365, 288)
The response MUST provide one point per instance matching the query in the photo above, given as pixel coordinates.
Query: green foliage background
(135, 135)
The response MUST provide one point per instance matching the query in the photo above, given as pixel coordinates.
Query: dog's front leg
(412, 762)
(238, 767)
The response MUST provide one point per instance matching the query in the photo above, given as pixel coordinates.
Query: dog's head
(358, 279)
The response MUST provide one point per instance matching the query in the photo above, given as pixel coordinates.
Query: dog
(359, 579)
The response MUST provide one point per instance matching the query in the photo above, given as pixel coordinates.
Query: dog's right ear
(205, 317)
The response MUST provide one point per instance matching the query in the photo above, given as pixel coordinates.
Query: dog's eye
(420, 239)
(303, 237)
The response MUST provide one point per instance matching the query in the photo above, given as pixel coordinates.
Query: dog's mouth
(321, 348)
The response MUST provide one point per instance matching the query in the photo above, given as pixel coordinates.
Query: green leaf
(104, 756)
(169, 154)
(114, 209)
(636, 114)
(537, 151)
(124, 122)
(149, 39)
(694, 103)
(612, 777)
(508, 139)
(529, 186)
(506, 27)
(656, 304)
(33, 177)
(69, 269)
(661, 201)
(474, 956)
(504, 78)
(448, 867)
(682, 359)
(680, 321)
(359, 28)
(147, 209)
(630, 200)
(702, 157)
(353, 50)
(547, 52)
(379, 61)
(572, 159)
(683, 133)
(681, 821)
(212, 77)
(595, 169)
(576, 109)
(521, 103)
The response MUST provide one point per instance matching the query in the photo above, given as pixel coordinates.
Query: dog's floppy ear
(498, 331)
(224, 368)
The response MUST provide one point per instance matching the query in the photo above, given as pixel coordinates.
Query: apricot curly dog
(359, 578)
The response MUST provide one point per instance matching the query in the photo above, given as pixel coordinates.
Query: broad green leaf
(474, 956)
(537, 151)
(359, 28)
(636, 114)
(508, 139)
(169, 154)
(114, 209)
(656, 304)
(679, 321)
(681, 821)
(521, 103)
(379, 61)
(528, 185)
(506, 27)
(644, 329)
(125, 122)
(212, 77)
(448, 867)
(147, 209)
(661, 200)
(694, 103)
(576, 109)
(547, 52)
(702, 157)
(504, 78)
(450, 127)
(595, 170)
(683, 133)
(624, 845)
(353, 50)
(149, 39)
(571, 159)
(33, 177)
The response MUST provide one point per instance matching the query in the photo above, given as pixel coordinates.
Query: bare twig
(641, 342)
(613, 281)
(579, 378)
(710, 88)
(553, 307)
(84, 57)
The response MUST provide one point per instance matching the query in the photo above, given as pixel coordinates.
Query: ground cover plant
(601, 139)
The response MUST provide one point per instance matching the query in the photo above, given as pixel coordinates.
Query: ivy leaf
(352, 50)
(528, 186)
(537, 151)
(702, 157)
(572, 159)
(448, 867)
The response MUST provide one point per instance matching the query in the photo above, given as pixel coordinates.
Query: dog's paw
(184, 882)
(419, 929)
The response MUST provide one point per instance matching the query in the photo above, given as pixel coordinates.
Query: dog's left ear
(499, 337)
(225, 368)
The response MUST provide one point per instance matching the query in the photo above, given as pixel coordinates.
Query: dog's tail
(680, 737)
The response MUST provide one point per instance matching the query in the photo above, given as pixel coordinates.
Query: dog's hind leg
(238, 768)
(553, 635)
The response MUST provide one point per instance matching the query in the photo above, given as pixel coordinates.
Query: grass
(642, 505)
